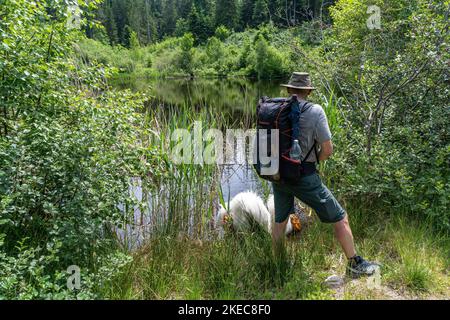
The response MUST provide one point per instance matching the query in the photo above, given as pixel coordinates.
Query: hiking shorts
(311, 191)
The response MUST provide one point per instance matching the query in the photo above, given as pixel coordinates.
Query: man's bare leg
(356, 266)
(278, 238)
(343, 233)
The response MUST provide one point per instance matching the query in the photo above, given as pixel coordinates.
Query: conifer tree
(226, 13)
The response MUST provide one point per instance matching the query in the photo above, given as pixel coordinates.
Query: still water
(238, 95)
(233, 97)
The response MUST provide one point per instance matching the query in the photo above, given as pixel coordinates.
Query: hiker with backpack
(304, 139)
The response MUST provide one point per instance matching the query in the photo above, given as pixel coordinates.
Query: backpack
(276, 113)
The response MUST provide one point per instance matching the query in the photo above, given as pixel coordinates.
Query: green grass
(419, 261)
(241, 266)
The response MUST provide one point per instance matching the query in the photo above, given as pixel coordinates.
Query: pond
(238, 96)
(228, 97)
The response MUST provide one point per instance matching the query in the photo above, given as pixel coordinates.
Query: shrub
(67, 154)
(222, 33)
(185, 61)
(267, 62)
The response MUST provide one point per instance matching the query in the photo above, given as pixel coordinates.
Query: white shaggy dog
(248, 206)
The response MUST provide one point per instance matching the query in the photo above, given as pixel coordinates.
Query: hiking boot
(358, 267)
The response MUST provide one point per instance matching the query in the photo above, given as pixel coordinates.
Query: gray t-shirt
(314, 130)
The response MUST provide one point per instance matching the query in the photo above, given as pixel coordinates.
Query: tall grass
(184, 199)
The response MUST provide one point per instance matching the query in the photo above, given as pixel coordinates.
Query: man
(314, 131)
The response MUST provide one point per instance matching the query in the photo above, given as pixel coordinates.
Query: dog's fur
(246, 207)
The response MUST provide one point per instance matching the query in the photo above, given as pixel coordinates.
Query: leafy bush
(185, 61)
(267, 62)
(68, 149)
(222, 33)
(395, 102)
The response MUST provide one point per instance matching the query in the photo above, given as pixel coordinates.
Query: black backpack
(275, 113)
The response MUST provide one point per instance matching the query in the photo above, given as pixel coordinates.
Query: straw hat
(299, 80)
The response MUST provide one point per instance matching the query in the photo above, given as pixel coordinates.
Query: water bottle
(263, 140)
(296, 151)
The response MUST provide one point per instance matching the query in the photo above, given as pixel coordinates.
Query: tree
(169, 15)
(187, 53)
(150, 24)
(181, 27)
(184, 7)
(154, 19)
(260, 12)
(199, 26)
(226, 13)
(110, 25)
(141, 20)
(134, 40)
(120, 9)
(214, 50)
(246, 14)
(222, 33)
(381, 75)
(269, 61)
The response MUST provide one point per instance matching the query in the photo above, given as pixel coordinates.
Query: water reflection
(226, 94)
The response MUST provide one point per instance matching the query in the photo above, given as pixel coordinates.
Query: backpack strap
(309, 152)
(315, 151)
(306, 106)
